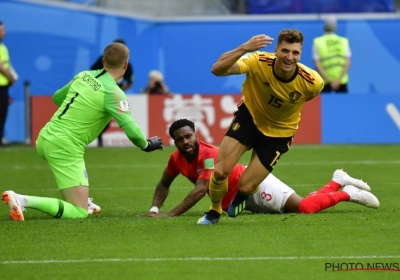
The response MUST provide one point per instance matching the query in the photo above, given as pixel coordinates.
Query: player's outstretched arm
(191, 199)
(120, 112)
(154, 143)
(160, 193)
(136, 136)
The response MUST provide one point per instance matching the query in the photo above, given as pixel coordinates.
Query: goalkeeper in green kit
(86, 105)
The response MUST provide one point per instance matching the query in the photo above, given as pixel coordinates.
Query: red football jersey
(202, 167)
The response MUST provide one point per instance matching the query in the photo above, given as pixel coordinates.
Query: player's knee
(220, 175)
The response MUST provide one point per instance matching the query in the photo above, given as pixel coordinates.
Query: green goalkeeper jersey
(86, 105)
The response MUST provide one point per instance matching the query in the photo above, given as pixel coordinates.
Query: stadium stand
(170, 8)
(318, 6)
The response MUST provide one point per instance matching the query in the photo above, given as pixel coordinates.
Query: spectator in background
(331, 55)
(156, 84)
(125, 83)
(7, 79)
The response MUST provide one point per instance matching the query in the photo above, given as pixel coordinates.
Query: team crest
(235, 126)
(294, 96)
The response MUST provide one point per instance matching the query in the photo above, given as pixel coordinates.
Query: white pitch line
(199, 259)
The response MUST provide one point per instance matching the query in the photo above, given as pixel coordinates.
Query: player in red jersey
(195, 159)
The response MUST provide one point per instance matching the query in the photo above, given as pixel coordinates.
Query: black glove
(154, 143)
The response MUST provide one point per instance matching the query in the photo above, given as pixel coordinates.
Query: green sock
(56, 207)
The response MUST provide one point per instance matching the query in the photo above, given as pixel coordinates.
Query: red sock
(319, 201)
(332, 186)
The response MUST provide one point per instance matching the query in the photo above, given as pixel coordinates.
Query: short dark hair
(180, 123)
(291, 36)
(119, 41)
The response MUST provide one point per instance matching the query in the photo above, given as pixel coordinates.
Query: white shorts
(270, 197)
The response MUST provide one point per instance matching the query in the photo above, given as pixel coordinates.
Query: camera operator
(156, 84)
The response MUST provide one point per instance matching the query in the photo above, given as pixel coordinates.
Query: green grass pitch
(121, 244)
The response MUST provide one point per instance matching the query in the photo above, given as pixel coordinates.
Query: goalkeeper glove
(154, 143)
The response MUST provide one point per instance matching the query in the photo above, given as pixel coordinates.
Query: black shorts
(328, 89)
(268, 149)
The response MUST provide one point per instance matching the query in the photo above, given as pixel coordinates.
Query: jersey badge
(209, 163)
(294, 96)
(235, 126)
(123, 106)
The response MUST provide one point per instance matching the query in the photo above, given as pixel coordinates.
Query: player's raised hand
(258, 42)
(154, 143)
